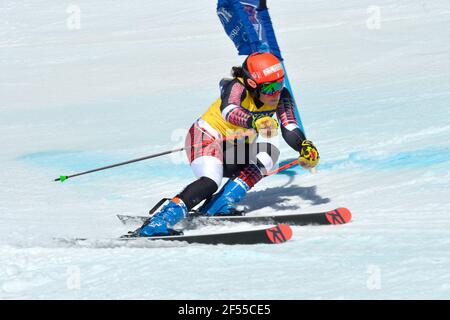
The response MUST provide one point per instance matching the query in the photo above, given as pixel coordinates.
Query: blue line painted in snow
(402, 160)
(69, 162)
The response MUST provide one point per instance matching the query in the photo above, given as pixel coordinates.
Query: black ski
(336, 216)
(273, 235)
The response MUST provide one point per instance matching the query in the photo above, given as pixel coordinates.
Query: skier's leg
(263, 156)
(178, 208)
(209, 171)
(206, 162)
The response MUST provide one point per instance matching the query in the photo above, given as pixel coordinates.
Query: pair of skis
(279, 233)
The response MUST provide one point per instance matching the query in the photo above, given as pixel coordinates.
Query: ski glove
(266, 126)
(309, 156)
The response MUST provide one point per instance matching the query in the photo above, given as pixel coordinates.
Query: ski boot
(158, 224)
(223, 203)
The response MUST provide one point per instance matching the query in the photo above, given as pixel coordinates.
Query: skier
(247, 102)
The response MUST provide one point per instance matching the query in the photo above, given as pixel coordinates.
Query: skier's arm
(294, 137)
(232, 96)
(289, 125)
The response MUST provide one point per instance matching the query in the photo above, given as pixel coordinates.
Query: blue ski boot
(223, 202)
(159, 223)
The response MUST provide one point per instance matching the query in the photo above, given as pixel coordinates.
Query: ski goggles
(272, 88)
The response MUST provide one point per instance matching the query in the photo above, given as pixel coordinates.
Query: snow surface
(131, 80)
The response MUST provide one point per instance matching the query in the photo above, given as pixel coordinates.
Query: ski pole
(232, 137)
(282, 168)
(287, 166)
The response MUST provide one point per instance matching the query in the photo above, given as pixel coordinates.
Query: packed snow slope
(89, 83)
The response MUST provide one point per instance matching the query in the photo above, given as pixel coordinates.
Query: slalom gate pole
(232, 137)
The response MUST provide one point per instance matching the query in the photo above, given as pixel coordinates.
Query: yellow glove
(266, 126)
(309, 156)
